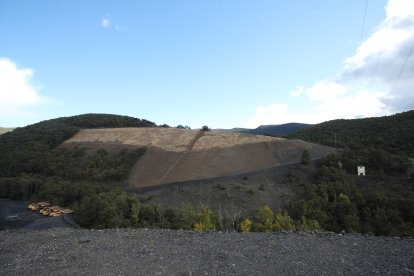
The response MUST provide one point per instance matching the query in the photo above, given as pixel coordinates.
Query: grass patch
(220, 187)
(252, 191)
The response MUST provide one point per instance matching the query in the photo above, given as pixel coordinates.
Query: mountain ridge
(394, 133)
(280, 130)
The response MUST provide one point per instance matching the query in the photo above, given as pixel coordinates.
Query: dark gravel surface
(15, 215)
(65, 251)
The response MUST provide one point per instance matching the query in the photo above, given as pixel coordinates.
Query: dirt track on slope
(173, 155)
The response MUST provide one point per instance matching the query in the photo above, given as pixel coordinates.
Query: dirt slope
(5, 129)
(176, 155)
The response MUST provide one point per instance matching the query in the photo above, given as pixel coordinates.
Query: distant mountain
(394, 134)
(237, 129)
(283, 129)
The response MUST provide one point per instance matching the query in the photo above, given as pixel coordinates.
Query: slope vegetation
(27, 150)
(394, 134)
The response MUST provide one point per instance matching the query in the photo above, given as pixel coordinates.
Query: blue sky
(218, 63)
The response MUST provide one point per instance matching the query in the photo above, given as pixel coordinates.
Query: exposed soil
(169, 139)
(236, 194)
(169, 252)
(177, 155)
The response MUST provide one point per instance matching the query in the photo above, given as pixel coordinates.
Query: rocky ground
(14, 214)
(66, 251)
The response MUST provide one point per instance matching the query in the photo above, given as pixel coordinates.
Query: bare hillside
(5, 129)
(176, 155)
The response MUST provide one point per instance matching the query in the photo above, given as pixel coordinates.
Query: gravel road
(65, 251)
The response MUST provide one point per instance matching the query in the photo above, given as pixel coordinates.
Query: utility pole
(335, 138)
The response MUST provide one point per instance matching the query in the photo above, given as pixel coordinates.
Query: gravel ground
(15, 215)
(68, 251)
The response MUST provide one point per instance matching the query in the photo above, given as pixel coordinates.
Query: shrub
(206, 220)
(305, 160)
(246, 226)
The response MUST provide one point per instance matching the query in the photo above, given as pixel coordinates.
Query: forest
(335, 201)
(393, 134)
(29, 149)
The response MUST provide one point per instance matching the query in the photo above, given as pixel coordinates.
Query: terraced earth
(177, 155)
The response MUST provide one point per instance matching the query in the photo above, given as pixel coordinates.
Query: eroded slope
(176, 155)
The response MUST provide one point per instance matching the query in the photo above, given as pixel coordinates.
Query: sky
(219, 63)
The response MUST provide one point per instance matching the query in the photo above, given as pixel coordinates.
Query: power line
(375, 68)
(363, 22)
(402, 69)
(362, 34)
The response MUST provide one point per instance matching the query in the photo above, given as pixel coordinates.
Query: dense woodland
(393, 134)
(33, 166)
(333, 202)
(339, 201)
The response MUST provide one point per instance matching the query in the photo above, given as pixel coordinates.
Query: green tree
(246, 226)
(265, 217)
(306, 224)
(305, 159)
(282, 221)
(206, 220)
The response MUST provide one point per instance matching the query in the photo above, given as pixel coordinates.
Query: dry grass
(5, 129)
(215, 154)
(169, 139)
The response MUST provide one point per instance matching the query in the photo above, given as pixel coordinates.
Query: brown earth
(5, 130)
(177, 155)
(238, 195)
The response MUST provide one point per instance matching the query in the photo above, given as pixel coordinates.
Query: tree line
(393, 134)
(27, 149)
(383, 206)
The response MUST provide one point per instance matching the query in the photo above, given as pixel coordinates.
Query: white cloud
(298, 91)
(16, 91)
(325, 90)
(266, 115)
(363, 103)
(377, 80)
(105, 23)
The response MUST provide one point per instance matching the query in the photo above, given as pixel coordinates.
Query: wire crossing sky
(218, 63)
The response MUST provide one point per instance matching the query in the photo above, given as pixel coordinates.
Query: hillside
(5, 130)
(27, 149)
(116, 171)
(393, 134)
(176, 155)
(280, 130)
